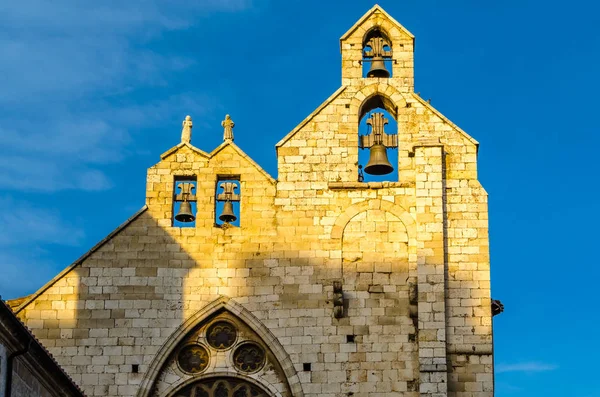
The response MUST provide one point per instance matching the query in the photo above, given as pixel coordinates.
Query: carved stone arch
(372, 30)
(266, 388)
(375, 95)
(236, 310)
(342, 220)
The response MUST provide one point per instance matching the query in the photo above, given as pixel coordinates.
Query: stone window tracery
(221, 335)
(249, 357)
(215, 358)
(221, 387)
(193, 358)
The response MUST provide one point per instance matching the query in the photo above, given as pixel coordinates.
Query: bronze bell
(378, 68)
(378, 162)
(227, 215)
(185, 213)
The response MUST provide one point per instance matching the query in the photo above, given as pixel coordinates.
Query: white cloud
(65, 68)
(48, 154)
(67, 72)
(507, 387)
(24, 230)
(22, 173)
(23, 224)
(531, 366)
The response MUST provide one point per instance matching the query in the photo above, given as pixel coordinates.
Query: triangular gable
(310, 117)
(72, 266)
(376, 8)
(182, 144)
(243, 155)
(437, 113)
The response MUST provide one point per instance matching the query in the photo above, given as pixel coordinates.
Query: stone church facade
(231, 283)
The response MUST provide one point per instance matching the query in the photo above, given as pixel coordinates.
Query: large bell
(378, 68)
(378, 162)
(185, 212)
(227, 215)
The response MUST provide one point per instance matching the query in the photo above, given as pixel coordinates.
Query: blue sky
(93, 92)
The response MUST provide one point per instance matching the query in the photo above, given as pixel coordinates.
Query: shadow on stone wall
(116, 309)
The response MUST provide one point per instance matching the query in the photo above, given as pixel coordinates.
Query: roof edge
(245, 156)
(440, 115)
(77, 262)
(14, 303)
(179, 146)
(376, 7)
(310, 116)
(38, 353)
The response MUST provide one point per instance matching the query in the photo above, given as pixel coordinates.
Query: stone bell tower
(378, 35)
(437, 199)
(322, 282)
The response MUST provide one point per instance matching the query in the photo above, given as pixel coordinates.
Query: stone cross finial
(227, 125)
(186, 132)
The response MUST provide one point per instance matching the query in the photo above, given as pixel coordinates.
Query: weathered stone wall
(424, 235)
(3, 357)
(402, 46)
(26, 384)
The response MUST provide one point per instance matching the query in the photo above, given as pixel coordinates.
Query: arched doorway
(221, 387)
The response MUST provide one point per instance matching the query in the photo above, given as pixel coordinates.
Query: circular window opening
(249, 357)
(221, 335)
(193, 359)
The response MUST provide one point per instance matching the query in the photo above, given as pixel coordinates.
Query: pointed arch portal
(212, 353)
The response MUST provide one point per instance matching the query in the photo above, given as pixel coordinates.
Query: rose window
(221, 335)
(193, 359)
(249, 357)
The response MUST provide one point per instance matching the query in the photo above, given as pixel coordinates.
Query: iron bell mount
(378, 54)
(228, 196)
(378, 141)
(186, 196)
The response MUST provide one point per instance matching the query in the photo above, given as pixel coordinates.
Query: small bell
(227, 215)
(378, 161)
(378, 50)
(378, 68)
(185, 213)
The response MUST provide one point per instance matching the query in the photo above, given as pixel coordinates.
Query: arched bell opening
(184, 201)
(227, 201)
(377, 54)
(378, 140)
(377, 101)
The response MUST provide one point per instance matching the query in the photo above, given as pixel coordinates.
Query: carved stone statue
(227, 125)
(186, 132)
